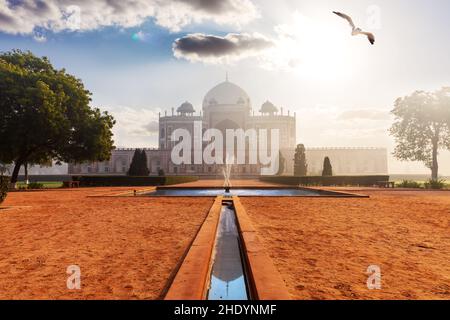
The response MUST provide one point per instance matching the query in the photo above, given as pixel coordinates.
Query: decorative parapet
(133, 149)
(343, 148)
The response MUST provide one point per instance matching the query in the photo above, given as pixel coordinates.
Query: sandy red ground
(126, 247)
(322, 247)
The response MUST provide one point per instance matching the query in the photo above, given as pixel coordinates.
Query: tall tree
(133, 170)
(138, 166)
(45, 115)
(327, 168)
(144, 171)
(300, 165)
(422, 127)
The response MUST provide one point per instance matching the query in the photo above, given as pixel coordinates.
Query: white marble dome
(226, 93)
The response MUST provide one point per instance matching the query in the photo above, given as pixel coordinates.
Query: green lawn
(47, 184)
(422, 183)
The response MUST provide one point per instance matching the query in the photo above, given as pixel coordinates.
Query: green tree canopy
(327, 168)
(45, 115)
(300, 165)
(422, 127)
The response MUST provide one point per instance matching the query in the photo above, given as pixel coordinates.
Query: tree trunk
(434, 165)
(26, 173)
(15, 172)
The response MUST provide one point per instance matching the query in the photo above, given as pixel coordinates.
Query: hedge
(4, 186)
(46, 177)
(366, 181)
(116, 181)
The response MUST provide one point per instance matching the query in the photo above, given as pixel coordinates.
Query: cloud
(295, 45)
(39, 37)
(365, 114)
(215, 6)
(24, 16)
(178, 13)
(216, 49)
(152, 127)
(140, 121)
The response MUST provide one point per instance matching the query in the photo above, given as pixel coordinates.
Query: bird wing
(370, 36)
(346, 17)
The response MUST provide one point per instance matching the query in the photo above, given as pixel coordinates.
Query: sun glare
(313, 48)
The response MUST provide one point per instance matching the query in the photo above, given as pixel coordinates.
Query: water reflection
(227, 276)
(205, 192)
(231, 290)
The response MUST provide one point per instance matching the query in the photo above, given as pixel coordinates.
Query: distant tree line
(301, 166)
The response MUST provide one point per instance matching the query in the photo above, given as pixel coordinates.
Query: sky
(139, 58)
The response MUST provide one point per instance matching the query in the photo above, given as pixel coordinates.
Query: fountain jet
(226, 170)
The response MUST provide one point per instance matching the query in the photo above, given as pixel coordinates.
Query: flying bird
(356, 31)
